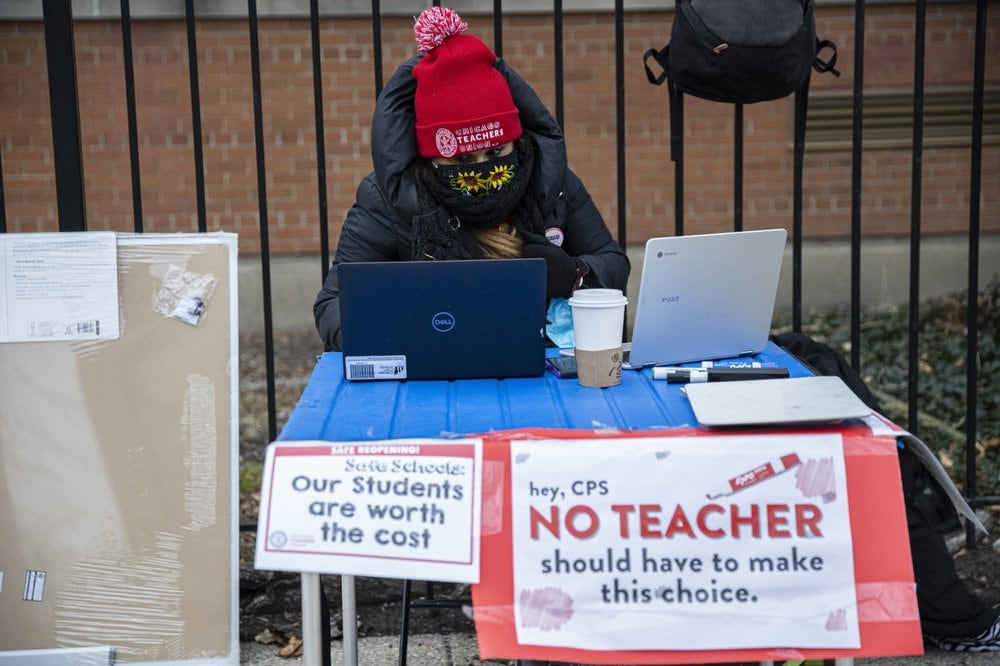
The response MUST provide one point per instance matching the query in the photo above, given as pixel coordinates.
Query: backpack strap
(676, 105)
(677, 153)
(801, 112)
(676, 121)
(830, 63)
(660, 56)
(673, 94)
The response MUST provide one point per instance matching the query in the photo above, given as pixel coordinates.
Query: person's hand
(563, 272)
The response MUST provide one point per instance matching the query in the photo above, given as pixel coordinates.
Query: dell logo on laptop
(443, 322)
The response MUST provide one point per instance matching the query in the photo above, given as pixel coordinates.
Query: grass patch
(251, 473)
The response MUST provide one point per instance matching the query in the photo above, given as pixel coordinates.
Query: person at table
(469, 164)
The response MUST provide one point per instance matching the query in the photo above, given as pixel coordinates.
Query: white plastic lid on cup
(606, 297)
(598, 318)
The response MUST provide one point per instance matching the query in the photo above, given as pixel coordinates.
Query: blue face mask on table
(559, 324)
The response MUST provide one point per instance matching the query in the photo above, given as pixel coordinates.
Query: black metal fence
(58, 23)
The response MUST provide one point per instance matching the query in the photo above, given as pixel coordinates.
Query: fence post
(64, 108)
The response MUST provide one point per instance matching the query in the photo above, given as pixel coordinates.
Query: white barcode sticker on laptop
(374, 367)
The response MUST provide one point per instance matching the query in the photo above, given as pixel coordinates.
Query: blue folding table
(332, 409)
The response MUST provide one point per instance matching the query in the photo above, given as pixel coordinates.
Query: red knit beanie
(463, 104)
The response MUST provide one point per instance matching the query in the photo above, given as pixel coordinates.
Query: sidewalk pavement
(461, 650)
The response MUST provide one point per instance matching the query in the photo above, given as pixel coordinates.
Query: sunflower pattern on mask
(473, 182)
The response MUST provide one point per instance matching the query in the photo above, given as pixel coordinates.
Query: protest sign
(404, 508)
(655, 543)
(692, 517)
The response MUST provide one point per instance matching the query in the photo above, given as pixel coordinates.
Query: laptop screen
(706, 296)
(443, 319)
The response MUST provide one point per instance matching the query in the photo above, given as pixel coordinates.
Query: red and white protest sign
(681, 546)
(405, 508)
(653, 543)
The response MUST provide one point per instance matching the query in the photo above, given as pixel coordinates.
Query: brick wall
(231, 193)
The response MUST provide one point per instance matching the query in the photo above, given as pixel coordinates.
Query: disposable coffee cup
(598, 320)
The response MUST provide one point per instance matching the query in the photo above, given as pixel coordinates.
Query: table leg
(312, 644)
(350, 615)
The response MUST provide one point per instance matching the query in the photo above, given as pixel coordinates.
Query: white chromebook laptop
(705, 297)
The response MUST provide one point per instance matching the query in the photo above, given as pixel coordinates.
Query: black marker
(701, 375)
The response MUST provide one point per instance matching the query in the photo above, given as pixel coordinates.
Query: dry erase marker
(701, 375)
(756, 475)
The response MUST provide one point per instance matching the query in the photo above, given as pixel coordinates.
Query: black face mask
(482, 195)
(491, 178)
(446, 216)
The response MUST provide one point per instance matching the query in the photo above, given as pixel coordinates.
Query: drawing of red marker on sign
(757, 474)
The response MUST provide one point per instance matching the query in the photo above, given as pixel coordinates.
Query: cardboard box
(118, 472)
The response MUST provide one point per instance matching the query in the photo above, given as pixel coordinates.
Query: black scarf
(442, 229)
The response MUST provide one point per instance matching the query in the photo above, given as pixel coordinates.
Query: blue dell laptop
(480, 318)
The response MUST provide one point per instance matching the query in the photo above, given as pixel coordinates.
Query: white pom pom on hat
(463, 104)
(435, 25)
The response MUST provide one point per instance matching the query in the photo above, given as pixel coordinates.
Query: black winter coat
(378, 226)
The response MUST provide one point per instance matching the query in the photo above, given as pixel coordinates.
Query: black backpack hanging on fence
(741, 51)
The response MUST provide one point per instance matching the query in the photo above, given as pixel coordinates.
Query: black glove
(563, 272)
